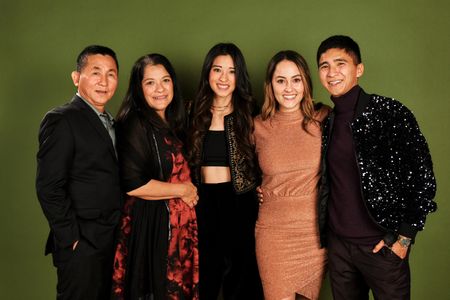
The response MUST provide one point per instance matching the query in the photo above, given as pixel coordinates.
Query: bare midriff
(213, 174)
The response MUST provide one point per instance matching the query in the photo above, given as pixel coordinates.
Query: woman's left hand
(190, 195)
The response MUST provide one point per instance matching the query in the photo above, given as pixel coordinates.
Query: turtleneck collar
(346, 102)
(288, 116)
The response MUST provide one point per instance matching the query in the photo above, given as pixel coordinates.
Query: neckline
(346, 103)
(288, 115)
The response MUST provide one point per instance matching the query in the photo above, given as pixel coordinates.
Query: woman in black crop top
(223, 165)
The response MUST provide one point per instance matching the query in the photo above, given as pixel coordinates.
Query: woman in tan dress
(288, 140)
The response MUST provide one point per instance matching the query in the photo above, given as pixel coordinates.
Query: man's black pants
(84, 273)
(354, 269)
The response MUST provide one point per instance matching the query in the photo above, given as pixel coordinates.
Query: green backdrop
(405, 47)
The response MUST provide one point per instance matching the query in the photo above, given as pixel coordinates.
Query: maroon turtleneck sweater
(348, 216)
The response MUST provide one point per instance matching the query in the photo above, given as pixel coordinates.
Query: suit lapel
(95, 122)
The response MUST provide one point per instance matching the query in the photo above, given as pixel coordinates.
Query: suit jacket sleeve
(54, 161)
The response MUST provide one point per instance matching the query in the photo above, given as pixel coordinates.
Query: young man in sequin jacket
(377, 181)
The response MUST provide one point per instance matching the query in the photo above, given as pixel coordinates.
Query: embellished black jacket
(243, 176)
(395, 167)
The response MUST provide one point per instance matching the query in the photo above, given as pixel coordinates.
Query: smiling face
(97, 80)
(222, 77)
(338, 71)
(287, 84)
(157, 87)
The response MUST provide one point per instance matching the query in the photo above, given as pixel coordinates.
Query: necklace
(220, 107)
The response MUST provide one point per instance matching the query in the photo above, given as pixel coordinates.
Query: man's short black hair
(340, 42)
(92, 50)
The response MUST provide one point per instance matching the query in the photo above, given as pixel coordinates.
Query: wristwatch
(404, 241)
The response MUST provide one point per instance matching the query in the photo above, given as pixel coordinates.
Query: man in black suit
(77, 179)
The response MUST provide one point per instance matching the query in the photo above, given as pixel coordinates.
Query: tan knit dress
(287, 237)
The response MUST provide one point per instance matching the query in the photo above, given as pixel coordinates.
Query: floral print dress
(157, 254)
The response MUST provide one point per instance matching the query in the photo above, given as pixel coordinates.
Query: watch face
(404, 242)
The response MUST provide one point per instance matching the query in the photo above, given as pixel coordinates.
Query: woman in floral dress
(156, 255)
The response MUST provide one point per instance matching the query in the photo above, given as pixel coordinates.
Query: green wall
(405, 47)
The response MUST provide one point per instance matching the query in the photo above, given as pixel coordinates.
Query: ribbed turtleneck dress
(287, 236)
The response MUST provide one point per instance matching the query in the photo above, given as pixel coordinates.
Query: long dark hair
(135, 101)
(242, 99)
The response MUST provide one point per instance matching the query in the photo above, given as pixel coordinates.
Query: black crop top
(215, 149)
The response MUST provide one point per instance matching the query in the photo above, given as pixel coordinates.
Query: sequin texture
(397, 179)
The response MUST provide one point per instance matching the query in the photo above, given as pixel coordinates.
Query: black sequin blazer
(396, 171)
(243, 177)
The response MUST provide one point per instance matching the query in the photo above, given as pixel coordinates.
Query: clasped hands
(190, 195)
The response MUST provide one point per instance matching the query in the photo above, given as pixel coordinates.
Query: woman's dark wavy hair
(135, 100)
(242, 99)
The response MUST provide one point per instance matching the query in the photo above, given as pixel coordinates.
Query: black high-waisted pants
(226, 234)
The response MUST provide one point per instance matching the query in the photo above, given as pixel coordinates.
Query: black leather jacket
(243, 177)
(395, 167)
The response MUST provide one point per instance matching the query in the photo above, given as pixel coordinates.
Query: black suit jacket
(77, 180)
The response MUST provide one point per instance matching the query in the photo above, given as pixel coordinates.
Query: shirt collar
(95, 109)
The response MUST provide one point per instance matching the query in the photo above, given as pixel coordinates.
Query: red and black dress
(157, 254)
